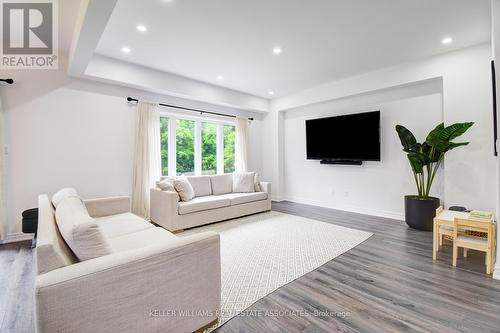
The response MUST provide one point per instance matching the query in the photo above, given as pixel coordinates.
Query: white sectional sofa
(214, 201)
(142, 285)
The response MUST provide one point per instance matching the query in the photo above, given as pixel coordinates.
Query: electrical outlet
(332, 191)
(6, 150)
(346, 194)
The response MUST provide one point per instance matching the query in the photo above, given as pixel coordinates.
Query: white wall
(375, 187)
(70, 132)
(470, 173)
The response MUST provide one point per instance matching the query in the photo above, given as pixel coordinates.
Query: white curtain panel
(147, 165)
(241, 145)
(3, 213)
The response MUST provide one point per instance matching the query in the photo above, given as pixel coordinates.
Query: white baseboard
(277, 198)
(16, 237)
(352, 209)
(496, 272)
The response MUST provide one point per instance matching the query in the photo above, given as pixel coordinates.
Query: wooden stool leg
(455, 253)
(465, 252)
(488, 262)
(434, 241)
(440, 240)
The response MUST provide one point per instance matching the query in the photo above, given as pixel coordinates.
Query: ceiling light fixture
(277, 50)
(447, 41)
(220, 77)
(126, 49)
(142, 28)
(270, 92)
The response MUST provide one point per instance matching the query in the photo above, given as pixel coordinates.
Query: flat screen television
(353, 137)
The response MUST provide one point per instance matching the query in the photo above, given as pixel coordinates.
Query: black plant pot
(419, 212)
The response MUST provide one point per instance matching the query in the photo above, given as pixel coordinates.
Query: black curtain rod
(8, 81)
(130, 99)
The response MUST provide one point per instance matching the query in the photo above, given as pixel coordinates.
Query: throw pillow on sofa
(166, 184)
(243, 182)
(83, 236)
(257, 183)
(184, 188)
(63, 194)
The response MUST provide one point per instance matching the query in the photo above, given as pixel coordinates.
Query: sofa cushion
(243, 182)
(201, 185)
(63, 194)
(122, 224)
(222, 184)
(184, 188)
(241, 198)
(203, 203)
(80, 231)
(147, 237)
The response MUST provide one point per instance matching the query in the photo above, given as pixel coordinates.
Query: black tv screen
(350, 137)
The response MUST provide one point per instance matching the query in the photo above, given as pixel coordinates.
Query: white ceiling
(322, 40)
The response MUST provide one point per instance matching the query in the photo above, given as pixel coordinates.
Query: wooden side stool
(464, 236)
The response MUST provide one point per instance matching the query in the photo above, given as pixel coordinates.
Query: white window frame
(172, 143)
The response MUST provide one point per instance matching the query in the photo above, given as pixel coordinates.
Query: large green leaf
(454, 131)
(406, 137)
(444, 147)
(433, 154)
(441, 133)
(416, 163)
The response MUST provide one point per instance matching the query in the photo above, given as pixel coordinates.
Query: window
(229, 133)
(208, 148)
(185, 147)
(164, 145)
(196, 147)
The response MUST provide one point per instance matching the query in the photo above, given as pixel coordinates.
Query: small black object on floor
(30, 223)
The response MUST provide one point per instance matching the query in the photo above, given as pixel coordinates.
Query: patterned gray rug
(263, 252)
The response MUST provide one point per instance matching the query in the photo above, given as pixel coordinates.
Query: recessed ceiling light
(447, 41)
(220, 77)
(126, 49)
(270, 92)
(277, 50)
(142, 28)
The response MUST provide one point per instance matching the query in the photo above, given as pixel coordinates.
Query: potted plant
(425, 160)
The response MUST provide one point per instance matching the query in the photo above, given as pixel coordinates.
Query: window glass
(164, 145)
(229, 135)
(185, 147)
(208, 148)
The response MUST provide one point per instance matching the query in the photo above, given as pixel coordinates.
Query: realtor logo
(29, 34)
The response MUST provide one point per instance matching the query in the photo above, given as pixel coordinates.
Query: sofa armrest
(141, 290)
(107, 206)
(163, 208)
(266, 187)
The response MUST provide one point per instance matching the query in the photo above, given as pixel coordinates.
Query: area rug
(263, 252)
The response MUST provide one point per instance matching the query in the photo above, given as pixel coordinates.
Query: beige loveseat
(214, 201)
(144, 285)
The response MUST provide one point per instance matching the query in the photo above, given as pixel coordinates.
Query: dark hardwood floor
(389, 283)
(17, 283)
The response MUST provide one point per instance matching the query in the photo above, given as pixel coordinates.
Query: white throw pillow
(257, 183)
(166, 184)
(243, 182)
(184, 188)
(63, 194)
(83, 236)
